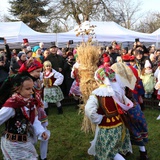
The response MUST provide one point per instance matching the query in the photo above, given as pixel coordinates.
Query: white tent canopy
(15, 32)
(107, 32)
(157, 34)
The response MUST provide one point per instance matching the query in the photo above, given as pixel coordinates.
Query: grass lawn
(68, 142)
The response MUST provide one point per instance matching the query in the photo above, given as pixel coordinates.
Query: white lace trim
(104, 91)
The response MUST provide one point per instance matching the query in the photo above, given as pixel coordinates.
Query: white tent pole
(56, 41)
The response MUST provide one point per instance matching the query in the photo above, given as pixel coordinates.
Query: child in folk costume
(51, 81)
(19, 114)
(148, 79)
(34, 69)
(75, 89)
(103, 108)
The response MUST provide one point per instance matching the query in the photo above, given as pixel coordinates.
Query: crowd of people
(33, 78)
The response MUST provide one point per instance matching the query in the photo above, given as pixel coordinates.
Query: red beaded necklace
(47, 74)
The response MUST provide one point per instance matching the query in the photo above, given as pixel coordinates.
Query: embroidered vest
(48, 82)
(108, 107)
(18, 124)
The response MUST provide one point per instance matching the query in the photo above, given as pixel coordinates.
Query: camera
(137, 40)
(70, 41)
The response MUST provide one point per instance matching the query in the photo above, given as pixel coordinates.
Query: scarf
(17, 101)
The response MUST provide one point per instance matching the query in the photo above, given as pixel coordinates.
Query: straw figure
(88, 58)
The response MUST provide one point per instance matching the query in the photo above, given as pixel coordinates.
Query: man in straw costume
(88, 58)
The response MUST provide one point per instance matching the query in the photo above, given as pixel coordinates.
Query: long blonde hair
(46, 63)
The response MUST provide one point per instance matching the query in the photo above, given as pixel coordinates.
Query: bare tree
(120, 11)
(123, 12)
(149, 23)
(75, 11)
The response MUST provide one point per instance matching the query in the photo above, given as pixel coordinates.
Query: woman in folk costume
(52, 92)
(19, 114)
(136, 122)
(103, 108)
(34, 68)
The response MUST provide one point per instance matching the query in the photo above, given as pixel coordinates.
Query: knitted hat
(14, 66)
(147, 64)
(35, 48)
(20, 54)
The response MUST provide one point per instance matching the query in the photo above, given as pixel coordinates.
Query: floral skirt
(75, 90)
(138, 126)
(110, 142)
(18, 150)
(53, 95)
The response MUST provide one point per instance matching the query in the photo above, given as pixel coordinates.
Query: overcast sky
(152, 5)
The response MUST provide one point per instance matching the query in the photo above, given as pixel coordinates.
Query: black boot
(60, 110)
(142, 106)
(143, 156)
(46, 110)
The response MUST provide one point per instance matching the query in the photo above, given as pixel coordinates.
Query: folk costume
(75, 90)
(42, 116)
(19, 115)
(103, 108)
(148, 79)
(52, 92)
(136, 121)
(138, 90)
